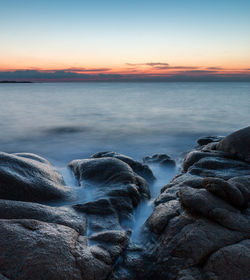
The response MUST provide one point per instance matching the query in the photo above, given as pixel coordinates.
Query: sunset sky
(95, 40)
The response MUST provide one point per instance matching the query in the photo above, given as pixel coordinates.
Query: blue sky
(63, 34)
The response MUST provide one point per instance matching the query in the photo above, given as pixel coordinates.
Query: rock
(10, 209)
(116, 237)
(198, 222)
(107, 171)
(209, 139)
(224, 190)
(161, 216)
(202, 201)
(230, 262)
(28, 177)
(162, 159)
(223, 168)
(199, 228)
(237, 144)
(187, 244)
(243, 184)
(110, 213)
(32, 249)
(141, 169)
(194, 157)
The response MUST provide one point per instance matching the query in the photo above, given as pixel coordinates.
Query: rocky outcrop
(199, 228)
(81, 241)
(237, 144)
(161, 159)
(31, 249)
(28, 177)
(118, 190)
(139, 168)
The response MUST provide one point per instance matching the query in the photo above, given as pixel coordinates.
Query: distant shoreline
(15, 82)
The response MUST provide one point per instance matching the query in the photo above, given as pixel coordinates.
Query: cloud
(175, 67)
(161, 66)
(73, 69)
(152, 64)
(214, 68)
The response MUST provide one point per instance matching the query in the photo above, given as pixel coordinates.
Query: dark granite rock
(28, 177)
(66, 216)
(201, 221)
(199, 228)
(237, 144)
(32, 249)
(141, 169)
(209, 139)
(161, 159)
(230, 262)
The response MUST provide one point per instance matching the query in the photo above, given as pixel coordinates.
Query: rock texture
(199, 228)
(140, 168)
(28, 177)
(161, 159)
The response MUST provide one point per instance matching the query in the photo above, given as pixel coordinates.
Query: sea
(65, 121)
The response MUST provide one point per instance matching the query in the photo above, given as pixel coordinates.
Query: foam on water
(163, 176)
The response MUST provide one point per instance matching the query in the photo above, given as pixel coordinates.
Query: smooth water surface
(65, 121)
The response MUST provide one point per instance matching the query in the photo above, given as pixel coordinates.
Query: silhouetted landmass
(15, 82)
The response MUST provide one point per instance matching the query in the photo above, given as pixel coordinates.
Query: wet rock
(110, 213)
(162, 159)
(28, 177)
(209, 139)
(162, 215)
(199, 221)
(194, 157)
(141, 169)
(237, 144)
(191, 246)
(10, 209)
(116, 237)
(219, 167)
(46, 251)
(101, 207)
(224, 190)
(122, 189)
(230, 262)
(202, 201)
(107, 171)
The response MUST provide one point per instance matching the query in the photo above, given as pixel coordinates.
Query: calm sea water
(65, 121)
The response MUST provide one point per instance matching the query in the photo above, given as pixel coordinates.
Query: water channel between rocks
(89, 192)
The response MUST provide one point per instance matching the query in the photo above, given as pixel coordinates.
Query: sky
(64, 40)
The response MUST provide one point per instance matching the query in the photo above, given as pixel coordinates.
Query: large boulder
(10, 209)
(110, 172)
(140, 168)
(28, 177)
(237, 144)
(32, 249)
(162, 159)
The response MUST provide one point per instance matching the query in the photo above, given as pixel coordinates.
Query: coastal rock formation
(237, 144)
(141, 169)
(118, 190)
(161, 159)
(28, 177)
(199, 228)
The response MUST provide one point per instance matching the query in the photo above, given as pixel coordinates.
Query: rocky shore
(199, 228)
